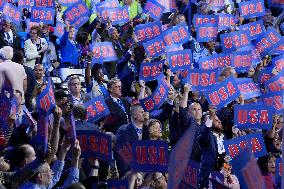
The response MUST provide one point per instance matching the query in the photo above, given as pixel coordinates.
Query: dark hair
(263, 163)
(95, 69)
(18, 154)
(79, 112)
(60, 94)
(77, 185)
(18, 56)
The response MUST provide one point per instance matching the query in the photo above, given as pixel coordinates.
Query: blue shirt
(72, 178)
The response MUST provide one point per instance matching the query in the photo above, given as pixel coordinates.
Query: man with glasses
(8, 37)
(74, 86)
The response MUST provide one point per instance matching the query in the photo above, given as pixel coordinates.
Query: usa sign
(255, 29)
(248, 88)
(251, 9)
(103, 52)
(253, 116)
(179, 60)
(267, 42)
(202, 79)
(148, 31)
(150, 156)
(215, 61)
(235, 40)
(150, 70)
(222, 93)
(95, 144)
(234, 146)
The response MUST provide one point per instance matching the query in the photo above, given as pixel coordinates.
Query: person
(76, 96)
(48, 177)
(31, 80)
(230, 180)
(68, 48)
(211, 140)
(95, 81)
(8, 37)
(267, 167)
(15, 72)
(155, 129)
(35, 48)
(129, 133)
(118, 106)
(39, 74)
(80, 115)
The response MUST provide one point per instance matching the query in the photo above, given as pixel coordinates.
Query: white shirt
(220, 144)
(10, 41)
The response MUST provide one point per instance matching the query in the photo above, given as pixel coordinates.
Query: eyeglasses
(33, 33)
(73, 84)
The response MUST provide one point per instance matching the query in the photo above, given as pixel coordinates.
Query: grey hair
(6, 53)
(110, 31)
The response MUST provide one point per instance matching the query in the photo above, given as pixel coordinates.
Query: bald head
(195, 112)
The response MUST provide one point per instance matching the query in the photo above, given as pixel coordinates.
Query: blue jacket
(209, 151)
(69, 51)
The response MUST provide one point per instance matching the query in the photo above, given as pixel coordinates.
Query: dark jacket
(209, 152)
(125, 136)
(117, 116)
(16, 41)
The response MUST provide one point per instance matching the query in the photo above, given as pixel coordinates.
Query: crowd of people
(31, 56)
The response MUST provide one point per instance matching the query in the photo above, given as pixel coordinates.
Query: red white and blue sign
(96, 109)
(200, 80)
(223, 93)
(150, 156)
(207, 32)
(44, 3)
(45, 101)
(253, 116)
(150, 70)
(45, 15)
(77, 15)
(103, 52)
(180, 155)
(158, 97)
(235, 40)
(95, 144)
(118, 15)
(242, 61)
(176, 35)
(248, 88)
(154, 8)
(247, 171)
(180, 60)
(154, 47)
(68, 2)
(267, 42)
(234, 146)
(148, 31)
(276, 83)
(215, 61)
(226, 21)
(190, 178)
(12, 13)
(25, 3)
(276, 100)
(200, 19)
(276, 3)
(255, 29)
(252, 9)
